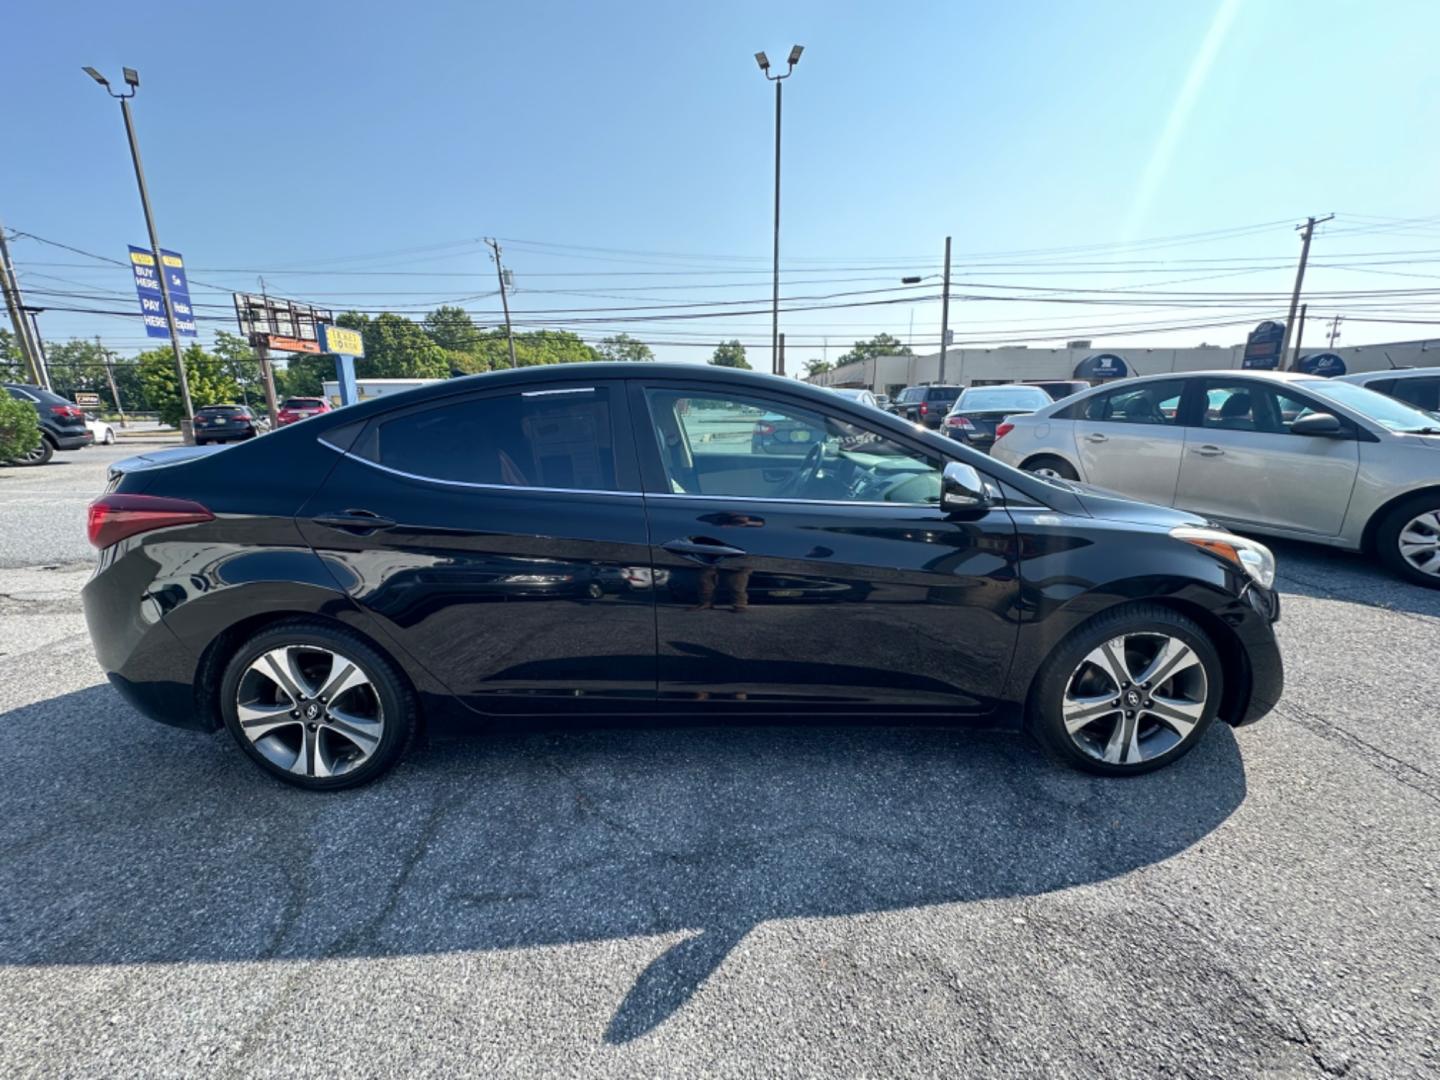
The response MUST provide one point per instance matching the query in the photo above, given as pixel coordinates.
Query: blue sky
(623, 154)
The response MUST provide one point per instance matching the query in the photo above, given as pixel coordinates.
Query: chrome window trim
(798, 502)
(471, 483)
(563, 390)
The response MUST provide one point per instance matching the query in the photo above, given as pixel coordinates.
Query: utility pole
(39, 344)
(1309, 231)
(15, 305)
(132, 80)
(105, 355)
(1335, 330)
(504, 299)
(780, 367)
(764, 62)
(1299, 334)
(945, 313)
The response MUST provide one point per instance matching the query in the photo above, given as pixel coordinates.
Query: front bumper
(1262, 654)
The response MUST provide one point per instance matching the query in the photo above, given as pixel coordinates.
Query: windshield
(1002, 397)
(1385, 411)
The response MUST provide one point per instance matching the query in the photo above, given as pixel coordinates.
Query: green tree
(304, 375)
(730, 354)
(879, 345)
(395, 348)
(241, 364)
(19, 428)
(452, 328)
(12, 364)
(76, 365)
(624, 347)
(818, 366)
(205, 373)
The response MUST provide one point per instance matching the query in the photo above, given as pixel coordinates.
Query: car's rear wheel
(38, 456)
(1051, 467)
(1130, 691)
(317, 706)
(109, 436)
(1408, 539)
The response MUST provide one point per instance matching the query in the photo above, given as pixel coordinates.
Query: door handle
(1207, 450)
(360, 522)
(701, 549)
(1097, 437)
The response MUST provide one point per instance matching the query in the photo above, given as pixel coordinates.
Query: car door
(1130, 439)
(841, 589)
(1242, 463)
(499, 538)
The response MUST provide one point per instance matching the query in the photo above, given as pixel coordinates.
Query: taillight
(114, 517)
(962, 422)
(924, 409)
(765, 429)
(1003, 428)
(69, 412)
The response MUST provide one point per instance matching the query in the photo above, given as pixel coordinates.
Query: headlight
(1255, 559)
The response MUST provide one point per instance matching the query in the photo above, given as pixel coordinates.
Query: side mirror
(1321, 424)
(962, 489)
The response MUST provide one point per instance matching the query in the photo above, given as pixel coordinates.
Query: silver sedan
(1281, 454)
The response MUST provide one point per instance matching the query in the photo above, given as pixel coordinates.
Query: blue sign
(1326, 364)
(1262, 347)
(1102, 366)
(152, 300)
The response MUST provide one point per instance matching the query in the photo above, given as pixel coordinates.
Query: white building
(1020, 363)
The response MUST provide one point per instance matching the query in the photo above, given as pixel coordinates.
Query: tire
(1049, 465)
(109, 436)
(1071, 689)
(41, 455)
(1408, 539)
(293, 734)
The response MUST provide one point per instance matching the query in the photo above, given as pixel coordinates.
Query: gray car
(1414, 386)
(1282, 454)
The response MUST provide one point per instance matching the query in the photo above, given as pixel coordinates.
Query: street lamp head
(763, 61)
(795, 54)
(132, 78)
(914, 279)
(97, 76)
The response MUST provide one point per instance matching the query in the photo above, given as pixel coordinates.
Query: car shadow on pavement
(131, 843)
(1327, 574)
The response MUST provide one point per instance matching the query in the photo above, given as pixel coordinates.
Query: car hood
(1107, 505)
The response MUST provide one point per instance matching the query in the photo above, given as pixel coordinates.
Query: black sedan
(573, 540)
(225, 423)
(980, 410)
(62, 422)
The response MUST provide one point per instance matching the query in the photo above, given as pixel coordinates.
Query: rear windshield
(1003, 397)
(301, 403)
(944, 393)
(222, 410)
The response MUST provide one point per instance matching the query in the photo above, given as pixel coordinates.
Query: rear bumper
(70, 441)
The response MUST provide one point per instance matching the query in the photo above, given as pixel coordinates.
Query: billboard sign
(1262, 347)
(1325, 364)
(341, 341)
(1102, 366)
(152, 300)
(283, 325)
(87, 399)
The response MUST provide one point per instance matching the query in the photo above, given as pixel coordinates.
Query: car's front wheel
(1408, 539)
(317, 706)
(1051, 467)
(1127, 692)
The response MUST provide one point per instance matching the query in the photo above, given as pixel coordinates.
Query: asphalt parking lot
(762, 901)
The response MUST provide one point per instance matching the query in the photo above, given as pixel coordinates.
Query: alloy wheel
(1048, 472)
(1419, 542)
(1134, 698)
(310, 711)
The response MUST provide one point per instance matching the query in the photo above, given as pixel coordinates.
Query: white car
(1269, 452)
(103, 432)
(864, 397)
(1414, 386)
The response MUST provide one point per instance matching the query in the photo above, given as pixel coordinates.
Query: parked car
(1060, 388)
(225, 423)
(100, 431)
(926, 405)
(368, 578)
(300, 408)
(1275, 453)
(1419, 387)
(864, 397)
(980, 410)
(62, 423)
(882, 402)
(775, 433)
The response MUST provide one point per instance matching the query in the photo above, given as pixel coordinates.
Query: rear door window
(560, 438)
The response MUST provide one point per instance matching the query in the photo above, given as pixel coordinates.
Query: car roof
(1009, 386)
(1390, 373)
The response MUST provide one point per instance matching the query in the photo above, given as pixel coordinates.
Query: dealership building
(1095, 363)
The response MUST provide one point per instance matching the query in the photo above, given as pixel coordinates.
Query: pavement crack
(1403, 772)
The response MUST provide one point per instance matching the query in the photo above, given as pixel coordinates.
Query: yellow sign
(142, 258)
(339, 340)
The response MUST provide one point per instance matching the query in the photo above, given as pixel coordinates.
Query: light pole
(132, 80)
(764, 62)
